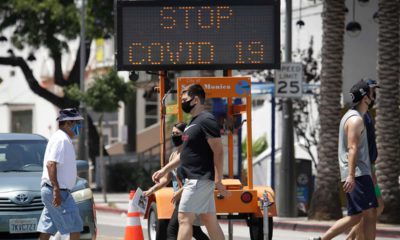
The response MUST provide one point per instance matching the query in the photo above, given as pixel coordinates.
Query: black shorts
(362, 197)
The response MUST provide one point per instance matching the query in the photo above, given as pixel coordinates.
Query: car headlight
(82, 195)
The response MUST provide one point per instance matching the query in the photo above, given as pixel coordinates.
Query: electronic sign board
(198, 34)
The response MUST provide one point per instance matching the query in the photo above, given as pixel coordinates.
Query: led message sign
(198, 34)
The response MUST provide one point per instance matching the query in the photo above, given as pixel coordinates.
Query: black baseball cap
(69, 114)
(359, 90)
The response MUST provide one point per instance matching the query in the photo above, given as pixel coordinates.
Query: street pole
(287, 179)
(83, 137)
(273, 106)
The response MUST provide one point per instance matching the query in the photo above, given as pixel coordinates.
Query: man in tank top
(355, 167)
(357, 231)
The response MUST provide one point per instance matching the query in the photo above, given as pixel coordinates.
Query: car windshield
(22, 156)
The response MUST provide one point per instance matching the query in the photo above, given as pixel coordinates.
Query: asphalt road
(111, 226)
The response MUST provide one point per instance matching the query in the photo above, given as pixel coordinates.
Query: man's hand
(158, 175)
(222, 189)
(56, 197)
(374, 179)
(349, 184)
(148, 192)
(177, 196)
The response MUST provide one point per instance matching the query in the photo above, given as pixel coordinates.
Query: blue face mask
(76, 129)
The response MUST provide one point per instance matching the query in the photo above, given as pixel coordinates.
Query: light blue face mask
(76, 129)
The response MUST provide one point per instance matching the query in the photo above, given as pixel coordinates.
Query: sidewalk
(118, 203)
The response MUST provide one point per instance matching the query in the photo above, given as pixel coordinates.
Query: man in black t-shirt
(201, 166)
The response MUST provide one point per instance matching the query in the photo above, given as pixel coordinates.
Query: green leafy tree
(105, 94)
(259, 146)
(51, 24)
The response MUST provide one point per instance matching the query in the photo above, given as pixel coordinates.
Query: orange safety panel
(232, 184)
(165, 208)
(271, 196)
(233, 203)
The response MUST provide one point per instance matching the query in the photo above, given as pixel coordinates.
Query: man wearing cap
(357, 231)
(355, 167)
(60, 212)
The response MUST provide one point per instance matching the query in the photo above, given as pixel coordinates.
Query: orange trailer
(247, 201)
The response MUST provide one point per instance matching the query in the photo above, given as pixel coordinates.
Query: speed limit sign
(289, 80)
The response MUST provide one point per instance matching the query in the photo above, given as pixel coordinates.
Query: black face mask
(177, 140)
(371, 103)
(186, 107)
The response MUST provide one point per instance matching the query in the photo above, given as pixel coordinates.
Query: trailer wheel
(256, 227)
(154, 225)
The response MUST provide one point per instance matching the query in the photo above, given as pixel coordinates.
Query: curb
(306, 227)
(110, 209)
(294, 226)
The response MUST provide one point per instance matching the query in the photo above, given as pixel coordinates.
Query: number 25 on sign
(289, 80)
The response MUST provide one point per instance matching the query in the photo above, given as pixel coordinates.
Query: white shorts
(197, 196)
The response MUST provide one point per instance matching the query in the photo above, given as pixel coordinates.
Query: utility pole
(287, 198)
(83, 151)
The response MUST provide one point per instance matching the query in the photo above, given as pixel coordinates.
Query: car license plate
(23, 225)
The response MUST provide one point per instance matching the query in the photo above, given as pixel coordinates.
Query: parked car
(21, 164)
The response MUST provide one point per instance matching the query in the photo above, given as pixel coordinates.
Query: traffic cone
(133, 229)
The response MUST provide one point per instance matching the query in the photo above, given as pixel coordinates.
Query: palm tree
(325, 204)
(388, 114)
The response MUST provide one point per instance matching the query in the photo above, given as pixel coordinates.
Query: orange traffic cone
(133, 229)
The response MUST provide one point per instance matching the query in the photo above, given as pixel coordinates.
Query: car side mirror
(82, 167)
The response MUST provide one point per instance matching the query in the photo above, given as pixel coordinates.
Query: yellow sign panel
(100, 50)
(218, 87)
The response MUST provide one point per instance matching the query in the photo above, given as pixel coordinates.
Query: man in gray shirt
(355, 168)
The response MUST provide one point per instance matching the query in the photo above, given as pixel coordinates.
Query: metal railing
(153, 153)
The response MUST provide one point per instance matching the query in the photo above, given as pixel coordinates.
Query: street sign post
(289, 80)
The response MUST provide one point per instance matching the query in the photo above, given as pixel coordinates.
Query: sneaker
(314, 238)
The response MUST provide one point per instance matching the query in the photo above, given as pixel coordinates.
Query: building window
(110, 126)
(21, 121)
(151, 110)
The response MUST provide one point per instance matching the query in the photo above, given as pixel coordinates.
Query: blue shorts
(64, 219)
(362, 197)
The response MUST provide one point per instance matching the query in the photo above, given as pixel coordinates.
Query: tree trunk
(130, 122)
(325, 204)
(388, 114)
(101, 159)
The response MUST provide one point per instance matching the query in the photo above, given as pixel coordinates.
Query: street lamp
(31, 57)
(300, 23)
(375, 17)
(133, 76)
(353, 28)
(11, 52)
(363, 2)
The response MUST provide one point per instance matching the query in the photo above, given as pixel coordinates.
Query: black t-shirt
(197, 158)
(372, 148)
